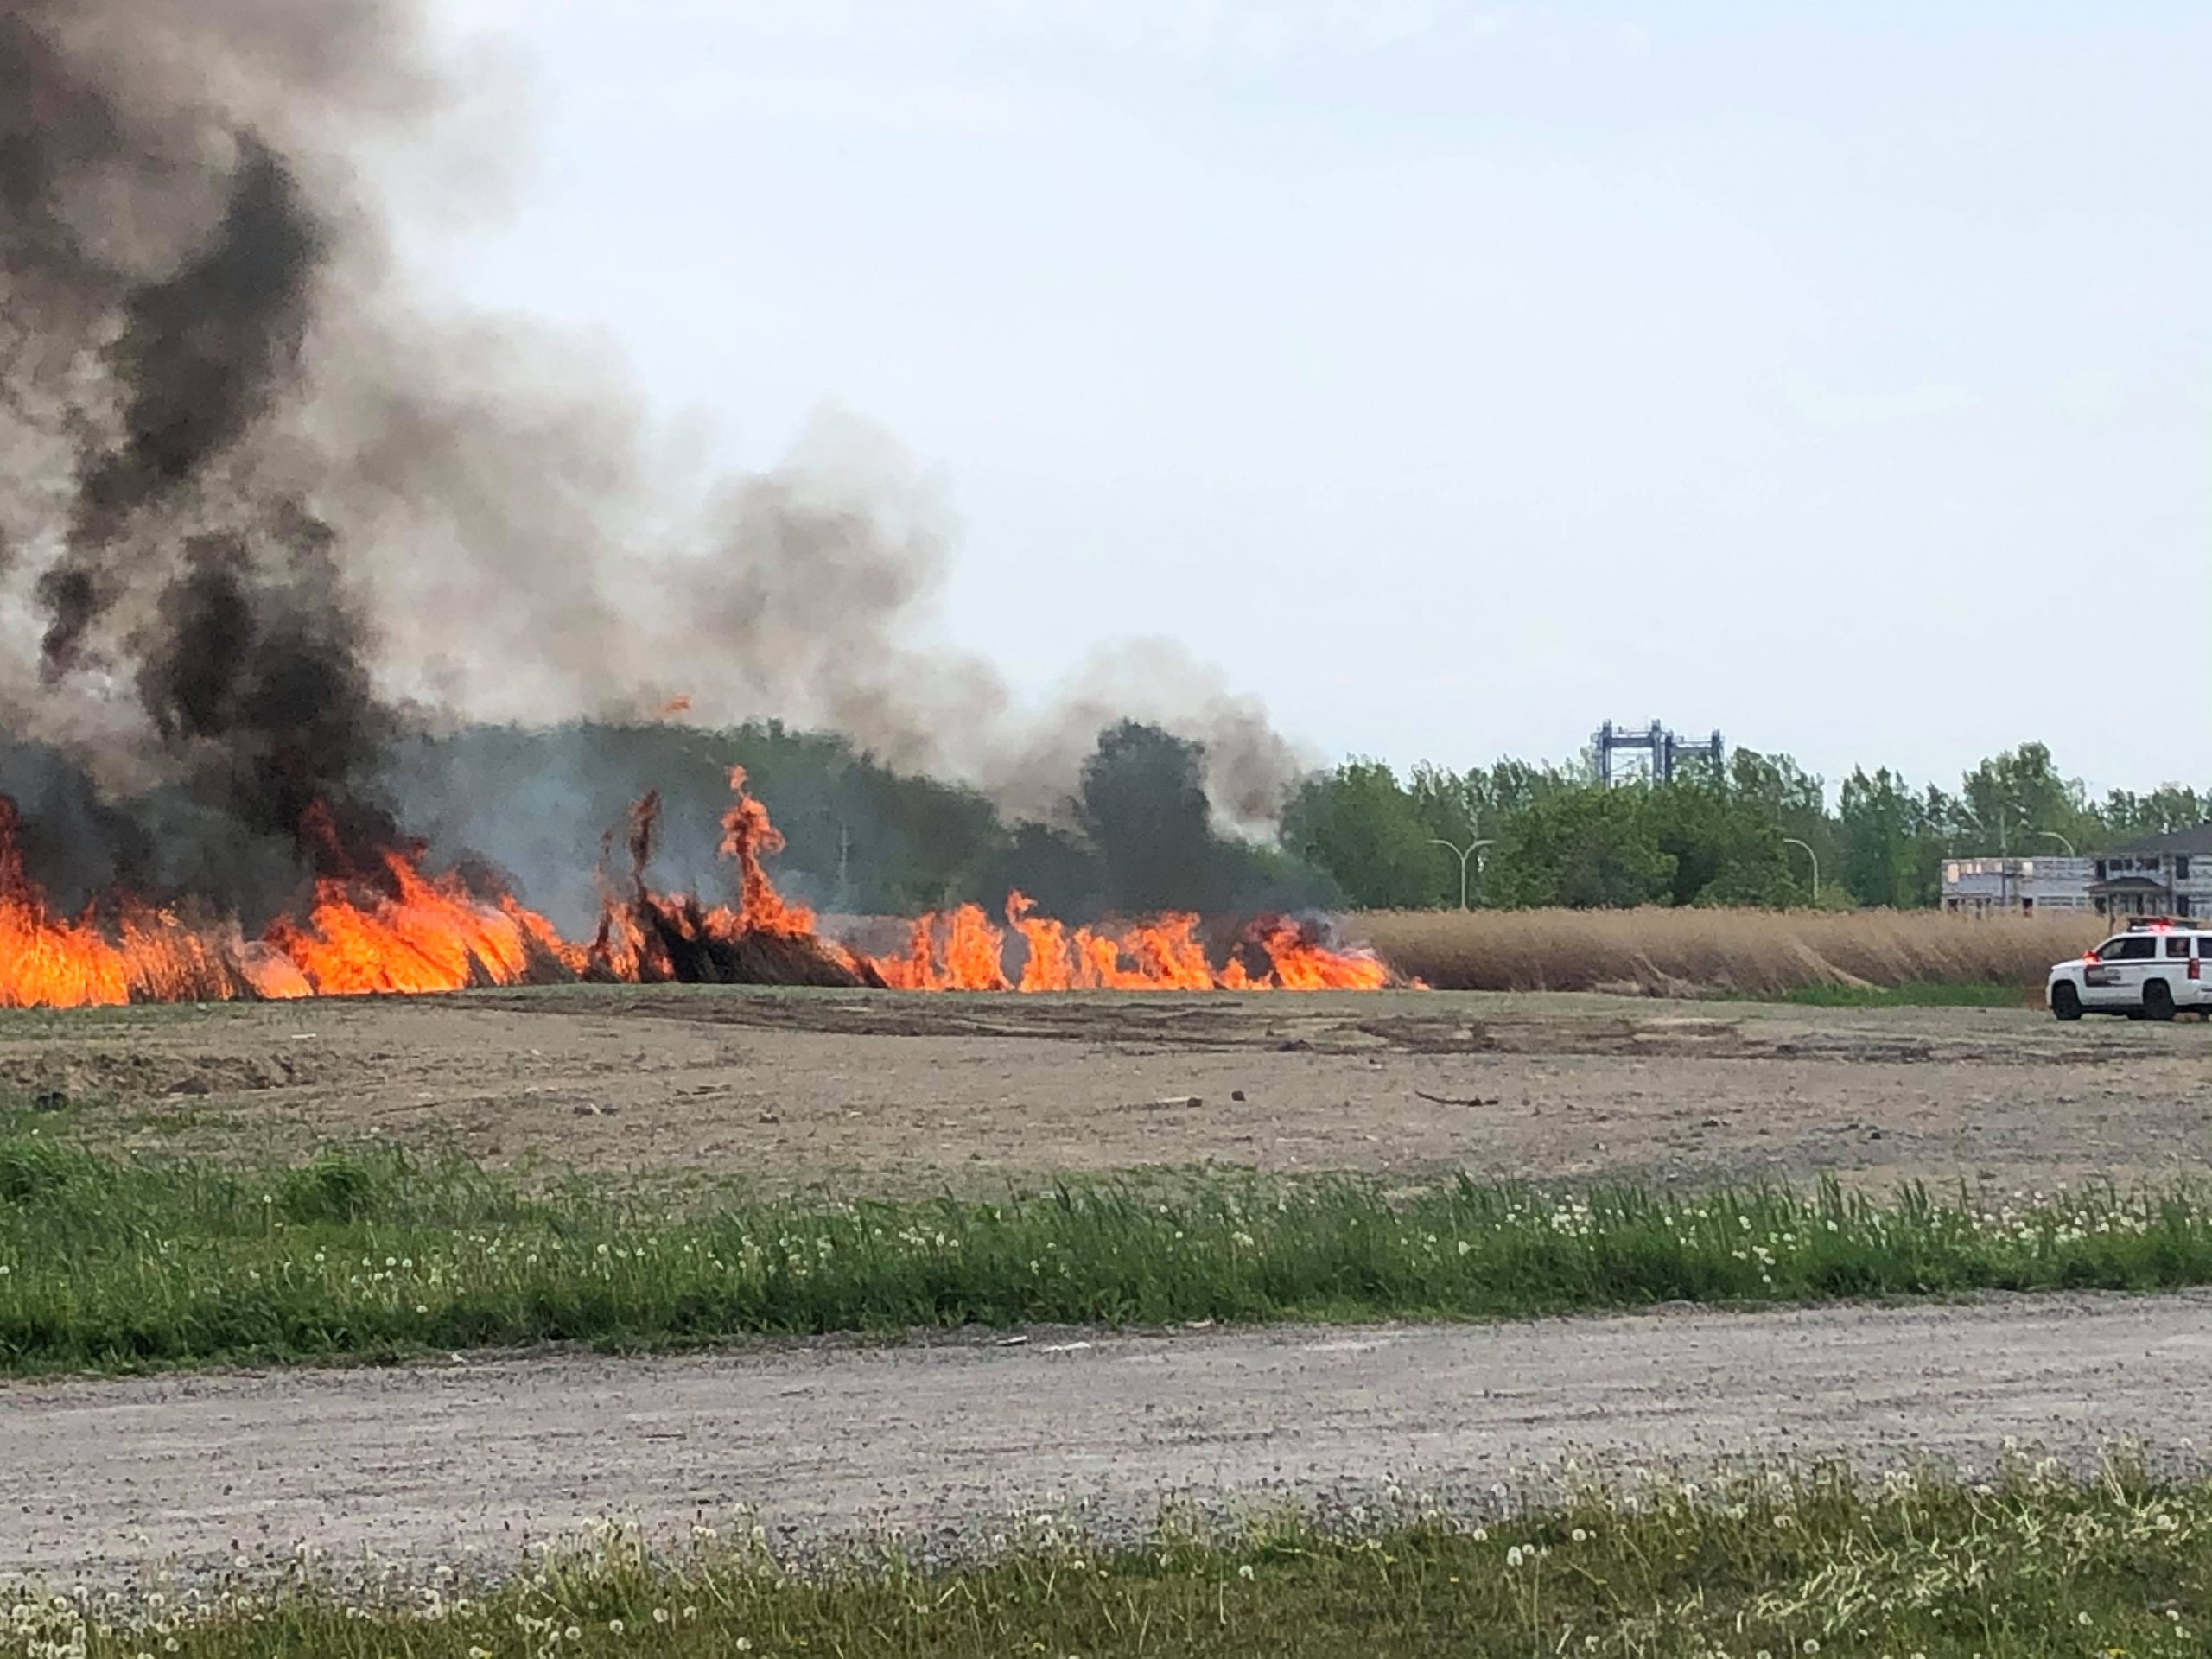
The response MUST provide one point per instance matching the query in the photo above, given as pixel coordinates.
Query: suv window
(2177, 945)
(2129, 947)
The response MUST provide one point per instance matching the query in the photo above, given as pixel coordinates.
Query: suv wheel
(2065, 1001)
(2157, 999)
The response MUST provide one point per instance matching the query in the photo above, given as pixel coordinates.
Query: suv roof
(2166, 925)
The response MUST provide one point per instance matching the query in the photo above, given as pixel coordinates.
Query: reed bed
(1698, 952)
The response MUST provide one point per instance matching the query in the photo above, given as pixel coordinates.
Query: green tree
(2015, 801)
(2161, 812)
(1884, 829)
(1725, 846)
(1142, 806)
(1474, 806)
(1582, 846)
(1447, 803)
(1358, 824)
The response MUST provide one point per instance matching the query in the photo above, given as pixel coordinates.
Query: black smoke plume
(262, 514)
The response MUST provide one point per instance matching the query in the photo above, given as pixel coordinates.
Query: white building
(2023, 886)
(2157, 875)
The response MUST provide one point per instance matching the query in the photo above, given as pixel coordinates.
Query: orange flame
(962, 951)
(421, 934)
(392, 928)
(748, 838)
(45, 964)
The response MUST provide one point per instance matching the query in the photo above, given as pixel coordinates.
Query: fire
(748, 837)
(46, 962)
(382, 924)
(400, 930)
(423, 935)
(962, 950)
(648, 937)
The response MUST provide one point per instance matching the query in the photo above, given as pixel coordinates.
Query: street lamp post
(1792, 841)
(2060, 839)
(1462, 854)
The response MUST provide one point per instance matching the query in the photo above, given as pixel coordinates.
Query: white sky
(1839, 375)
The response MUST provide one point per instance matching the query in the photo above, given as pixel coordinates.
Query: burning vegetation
(386, 925)
(264, 521)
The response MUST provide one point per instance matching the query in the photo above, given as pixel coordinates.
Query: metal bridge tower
(1664, 746)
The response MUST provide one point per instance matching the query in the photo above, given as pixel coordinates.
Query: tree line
(1137, 834)
(1712, 835)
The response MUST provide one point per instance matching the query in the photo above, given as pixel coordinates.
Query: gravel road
(469, 1461)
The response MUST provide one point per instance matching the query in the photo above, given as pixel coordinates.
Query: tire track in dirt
(472, 1460)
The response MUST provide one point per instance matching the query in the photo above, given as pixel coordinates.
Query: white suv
(2151, 972)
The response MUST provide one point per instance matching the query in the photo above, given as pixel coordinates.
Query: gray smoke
(260, 512)
(164, 254)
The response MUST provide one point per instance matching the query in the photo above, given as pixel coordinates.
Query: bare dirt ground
(890, 1094)
(471, 1462)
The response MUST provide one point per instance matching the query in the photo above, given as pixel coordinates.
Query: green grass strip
(116, 1264)
(2034, 1565)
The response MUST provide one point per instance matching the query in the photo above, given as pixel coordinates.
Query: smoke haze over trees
(1134, 837)
(1136, 834)
(267, 519)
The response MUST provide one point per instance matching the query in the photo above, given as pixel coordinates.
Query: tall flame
(392, 928)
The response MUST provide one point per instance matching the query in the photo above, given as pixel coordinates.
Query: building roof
(2194, 843)
(2129, 884)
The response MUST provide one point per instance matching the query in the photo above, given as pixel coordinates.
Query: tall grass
(1790, 1565)
(1661, 951)
(108, 1264)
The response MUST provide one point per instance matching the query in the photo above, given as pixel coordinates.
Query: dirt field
(888, 1094)
(860, 1093)
(470, 1462)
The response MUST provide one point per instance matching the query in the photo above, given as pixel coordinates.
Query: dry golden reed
(1688, 952)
